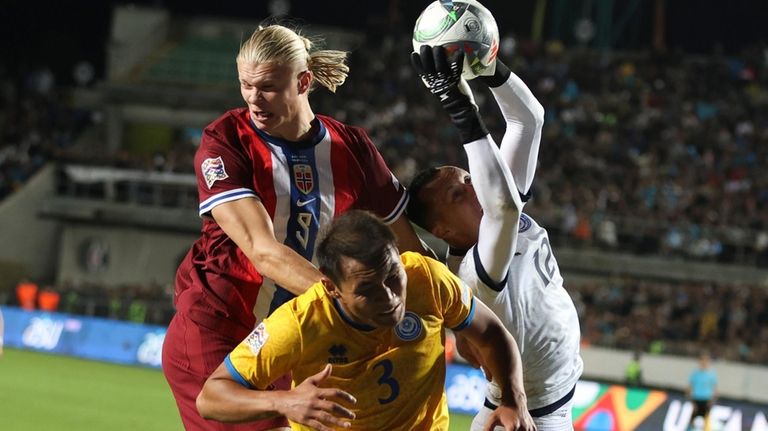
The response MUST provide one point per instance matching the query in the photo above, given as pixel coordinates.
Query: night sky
(58, 34)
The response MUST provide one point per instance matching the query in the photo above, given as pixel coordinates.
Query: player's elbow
(530, 116)
(267, 258)
(203, 405)
(497, 332)
(504, 207)
(537, 114)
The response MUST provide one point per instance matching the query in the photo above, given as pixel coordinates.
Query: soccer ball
(460, 24)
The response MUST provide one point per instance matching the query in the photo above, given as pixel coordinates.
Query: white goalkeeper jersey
(512, 268)
(537, 311)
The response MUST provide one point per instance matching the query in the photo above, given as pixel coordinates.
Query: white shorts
(558, 420)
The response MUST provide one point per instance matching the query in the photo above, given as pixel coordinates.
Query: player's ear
(330, 288)
(305, 80)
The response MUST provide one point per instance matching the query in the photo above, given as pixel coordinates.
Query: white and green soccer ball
(460, 24)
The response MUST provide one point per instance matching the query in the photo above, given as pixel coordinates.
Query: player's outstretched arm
(524, 116)
(502, 205)
(224, 399)
(492, 180)
(247, 222)
(408, 239)
(498, 353)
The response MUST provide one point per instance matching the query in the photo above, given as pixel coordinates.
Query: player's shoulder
(227, 120)
(306, 304)
(527, 224)
(349, 134)
(412, 259)
(224, 129)
(418, 265)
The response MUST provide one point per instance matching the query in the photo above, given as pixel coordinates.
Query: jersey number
(305, 221)
(387, 379)
(543, 262)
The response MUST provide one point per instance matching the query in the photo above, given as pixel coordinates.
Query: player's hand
(319, 408)
(511, 419)
(442, 76)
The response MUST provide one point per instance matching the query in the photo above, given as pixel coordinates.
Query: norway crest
(303, 178)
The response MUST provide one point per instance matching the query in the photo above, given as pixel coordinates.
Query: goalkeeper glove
(443, 79)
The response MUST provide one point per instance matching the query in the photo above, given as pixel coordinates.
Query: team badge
(525, 223)
(302, 176)
(410, 327)
(213, 170)
(256, 339)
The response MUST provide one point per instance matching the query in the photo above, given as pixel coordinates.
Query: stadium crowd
(730, 321)
(654, 153)
(644, 152)
(34, 124)
(647, 152)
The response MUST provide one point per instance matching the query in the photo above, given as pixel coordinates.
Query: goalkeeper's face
(454, 209)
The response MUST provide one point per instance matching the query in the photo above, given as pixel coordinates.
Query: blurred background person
(702, 391)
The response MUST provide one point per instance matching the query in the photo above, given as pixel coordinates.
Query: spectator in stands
(633, 373)
(702, 388)
(26, 292)
(270, 175)
(48, 299)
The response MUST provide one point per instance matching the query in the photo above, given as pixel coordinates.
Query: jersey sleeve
(270, 351)
(224, 172)
(452, 295)
(524, 116)
(383, 195)
(501, 203)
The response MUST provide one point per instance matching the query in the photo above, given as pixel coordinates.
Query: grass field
(49, 392)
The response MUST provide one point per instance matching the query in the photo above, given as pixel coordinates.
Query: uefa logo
(410, 327)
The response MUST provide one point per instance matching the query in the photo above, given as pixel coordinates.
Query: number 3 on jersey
(386, 379)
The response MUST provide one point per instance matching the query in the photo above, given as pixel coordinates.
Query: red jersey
(302, 185)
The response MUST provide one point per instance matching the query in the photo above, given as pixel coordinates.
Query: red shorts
(192, 352)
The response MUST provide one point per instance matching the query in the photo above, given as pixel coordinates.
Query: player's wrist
(278, 402)
(514, 397)
(499, 77)
(471, 128)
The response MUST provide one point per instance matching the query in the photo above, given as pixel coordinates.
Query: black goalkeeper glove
(443, 79)
(499, 77)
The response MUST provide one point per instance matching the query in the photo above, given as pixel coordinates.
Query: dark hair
(355, 234)
(418, 212)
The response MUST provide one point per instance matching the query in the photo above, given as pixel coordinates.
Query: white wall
(736, 380)
(28, 240)
(134, 255)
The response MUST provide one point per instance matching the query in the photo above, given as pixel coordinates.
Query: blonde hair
(281, 45)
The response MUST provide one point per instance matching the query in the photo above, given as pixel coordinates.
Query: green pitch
(39, 391)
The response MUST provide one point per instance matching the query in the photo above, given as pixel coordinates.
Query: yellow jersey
(397, 374)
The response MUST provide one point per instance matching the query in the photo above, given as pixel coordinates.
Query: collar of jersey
(306, 143)
(349, 320)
